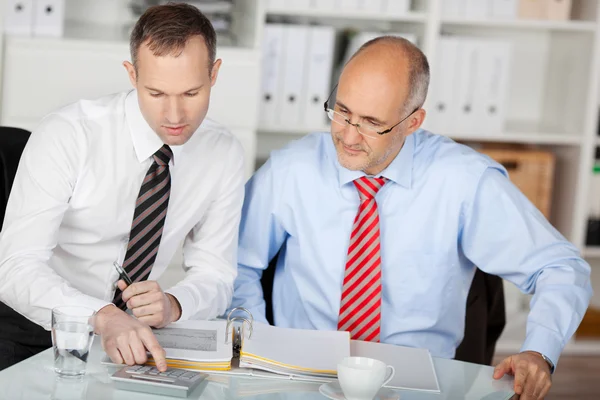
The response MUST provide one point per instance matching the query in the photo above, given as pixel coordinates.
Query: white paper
(306, 350)
(414, 367)
(193, 340)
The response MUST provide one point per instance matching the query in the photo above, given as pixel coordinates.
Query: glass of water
(72, 336)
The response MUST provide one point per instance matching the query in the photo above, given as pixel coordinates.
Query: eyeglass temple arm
(330, 94)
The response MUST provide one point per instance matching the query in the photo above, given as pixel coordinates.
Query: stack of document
(295, 352)
(197, 345)
(275, 353)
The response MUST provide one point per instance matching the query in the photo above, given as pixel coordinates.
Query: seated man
(380, 226)
(126, 178)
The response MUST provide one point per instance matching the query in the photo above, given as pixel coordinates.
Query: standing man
(379, 227)
(126, 178)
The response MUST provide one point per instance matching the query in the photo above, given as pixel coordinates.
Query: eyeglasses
(366, 129)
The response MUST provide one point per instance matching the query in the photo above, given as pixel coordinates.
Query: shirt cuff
(81, 301)
(185, 299)
(544, 341)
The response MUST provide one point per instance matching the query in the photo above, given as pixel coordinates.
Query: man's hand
(125, 339)
(531, 372)
(150, 304)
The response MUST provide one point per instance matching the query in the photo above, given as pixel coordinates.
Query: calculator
(174, 382)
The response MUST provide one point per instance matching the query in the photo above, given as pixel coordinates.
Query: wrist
(103, 316)
(175, 307)
(543, 357)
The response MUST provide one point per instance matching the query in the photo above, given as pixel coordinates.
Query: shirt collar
(145, 141)
(399, 171)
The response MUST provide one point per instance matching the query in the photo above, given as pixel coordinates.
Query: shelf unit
(527, 25)
(413, 16)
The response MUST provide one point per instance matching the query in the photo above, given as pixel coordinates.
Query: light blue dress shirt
(445, 210)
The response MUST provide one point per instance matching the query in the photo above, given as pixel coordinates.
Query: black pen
(122, 274)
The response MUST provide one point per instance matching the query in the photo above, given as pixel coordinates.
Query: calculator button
(153, 378)
(144, 369)
(177, 373)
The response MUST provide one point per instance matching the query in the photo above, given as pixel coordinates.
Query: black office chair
(484, 322)
(12, 143)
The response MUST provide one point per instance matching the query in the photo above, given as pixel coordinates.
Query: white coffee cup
(361, 377)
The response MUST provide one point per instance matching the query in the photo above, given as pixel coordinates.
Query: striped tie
(148, 220)
(360, 308)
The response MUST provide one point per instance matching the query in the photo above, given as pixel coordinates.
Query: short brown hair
(168, 27)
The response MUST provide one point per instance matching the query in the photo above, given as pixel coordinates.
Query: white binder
(453, 8)
(298, 4)
(294, 74)
(348, 5)
(442, 106)
(371, 6)
(320, 64)
(272, 63)
(468, 64)
(276, 4)
(324, 5)
(476, 9)
(18, 17)
(396, 7)
(492, 85)
(48, 18)
(504, 9)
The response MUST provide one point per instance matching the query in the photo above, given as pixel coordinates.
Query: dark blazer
(19, 337)
(12, 143)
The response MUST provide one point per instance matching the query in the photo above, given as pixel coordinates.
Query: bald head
(392, 63)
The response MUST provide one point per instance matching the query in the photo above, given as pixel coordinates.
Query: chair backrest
(484, 322)
(12, 143)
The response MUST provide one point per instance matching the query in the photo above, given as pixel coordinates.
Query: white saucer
(334, 391)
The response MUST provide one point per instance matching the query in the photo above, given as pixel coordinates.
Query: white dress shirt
(72, 202)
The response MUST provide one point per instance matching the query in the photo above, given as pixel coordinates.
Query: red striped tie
(360, 308)
(148, 220)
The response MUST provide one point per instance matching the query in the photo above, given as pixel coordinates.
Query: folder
(441, 103)
(558, 9)
(298, 4)
(504, 9)
(320, 64)
(370, 6)
(453, 8)
(491, 85)
(275, 4)
(294, 74)
(468, 63)
(48, 18)
(324, 5)
(313, 353)
(272, 75)
(18, 17)
(396, 7)
(252, 349)
(531, 9)
(348, 5)
(475, 9)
